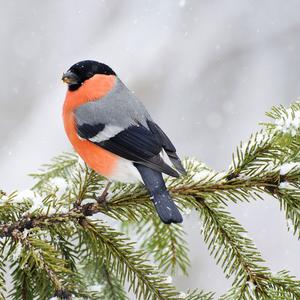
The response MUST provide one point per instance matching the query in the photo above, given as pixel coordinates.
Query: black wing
(168, 146)
(87, 131)
(136, 143)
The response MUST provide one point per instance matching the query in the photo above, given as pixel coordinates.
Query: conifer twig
(54, 234)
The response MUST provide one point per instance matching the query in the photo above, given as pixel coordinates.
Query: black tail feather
(164, 205)
(166, 208)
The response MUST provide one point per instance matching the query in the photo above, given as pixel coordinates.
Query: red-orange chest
(97, 158)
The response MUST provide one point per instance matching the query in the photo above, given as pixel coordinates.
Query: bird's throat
(91, 89)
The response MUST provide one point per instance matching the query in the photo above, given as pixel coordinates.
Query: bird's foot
(103, 197)
(101, 200)
(77, 204)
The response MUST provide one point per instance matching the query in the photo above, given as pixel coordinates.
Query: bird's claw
(77, 204)
(101, 200)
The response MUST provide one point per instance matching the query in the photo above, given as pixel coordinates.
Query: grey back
(120, 107)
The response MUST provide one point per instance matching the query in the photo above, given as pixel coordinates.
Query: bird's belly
(125, 171)
(107, 164)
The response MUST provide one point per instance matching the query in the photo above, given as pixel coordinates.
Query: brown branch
(28, 222)
(17, 235)
(79, 212)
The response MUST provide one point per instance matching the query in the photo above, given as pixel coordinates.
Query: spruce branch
(112, 288)
(198, 295)
(127, 262)
(166, 245)
(55, 234)
(38, 263)
(2, 270)
(60, 166)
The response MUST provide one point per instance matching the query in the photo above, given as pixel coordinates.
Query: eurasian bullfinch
(115, 135)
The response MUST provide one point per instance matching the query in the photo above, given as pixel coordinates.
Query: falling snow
(248, 102)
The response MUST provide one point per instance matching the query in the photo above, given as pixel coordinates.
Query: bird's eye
(89, 74)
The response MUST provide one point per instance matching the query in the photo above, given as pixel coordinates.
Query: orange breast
(97, 158)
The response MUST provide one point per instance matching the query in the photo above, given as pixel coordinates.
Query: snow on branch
(55, 240)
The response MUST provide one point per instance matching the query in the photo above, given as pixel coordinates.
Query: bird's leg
(102, 198)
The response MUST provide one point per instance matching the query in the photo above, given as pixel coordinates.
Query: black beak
(70, 78)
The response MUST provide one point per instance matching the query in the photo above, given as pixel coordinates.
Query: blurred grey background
(206, 70)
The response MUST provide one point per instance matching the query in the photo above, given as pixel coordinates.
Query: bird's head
(84, 70)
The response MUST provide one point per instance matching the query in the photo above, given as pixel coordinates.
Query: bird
(114, 134)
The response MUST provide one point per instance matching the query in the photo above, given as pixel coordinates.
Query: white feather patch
(126, 172)
(108, 132)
